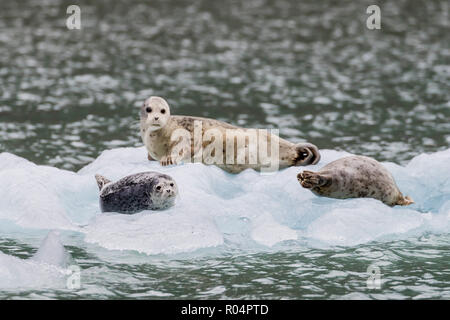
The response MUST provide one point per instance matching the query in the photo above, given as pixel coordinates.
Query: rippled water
(310, 68)
(413, 268)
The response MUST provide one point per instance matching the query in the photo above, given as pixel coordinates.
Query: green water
(310, 68)
(416, 268)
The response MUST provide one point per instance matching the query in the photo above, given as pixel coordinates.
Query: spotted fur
(137, 192)
(157, 126)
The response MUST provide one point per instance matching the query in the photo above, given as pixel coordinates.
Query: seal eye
(163, 111)
(158, 188)
(148, 109)
(171, 184)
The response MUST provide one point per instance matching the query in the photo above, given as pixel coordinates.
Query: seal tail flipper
(101, 181)
(309, 179)
(405, 201)
(306, 154)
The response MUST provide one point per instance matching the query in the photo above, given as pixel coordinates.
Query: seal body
(137, 192)
(354, 177)
(158, 127)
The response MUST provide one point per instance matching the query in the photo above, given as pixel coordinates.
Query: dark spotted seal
(354, 177)
(137, 192)
(158, 127)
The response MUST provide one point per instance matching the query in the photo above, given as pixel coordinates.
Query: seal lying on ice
(354, 177)
(137, 192)
(158, 128)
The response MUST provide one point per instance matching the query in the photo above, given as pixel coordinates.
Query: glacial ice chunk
(216, 210)
(52, 251)
(44, 270)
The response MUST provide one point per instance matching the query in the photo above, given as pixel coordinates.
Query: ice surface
(45, 269)
(20, 273)
(52, 251)
(216, 209)
(43, 197)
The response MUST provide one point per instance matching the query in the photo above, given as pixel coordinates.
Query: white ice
(216, 210)
(52, 251)
(47, 268)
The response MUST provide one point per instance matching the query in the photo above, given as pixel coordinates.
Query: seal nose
(156, 118)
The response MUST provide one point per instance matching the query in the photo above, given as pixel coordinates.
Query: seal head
(155, 113)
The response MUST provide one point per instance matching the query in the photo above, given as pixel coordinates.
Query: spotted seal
(158, 126)
(137, 192)
(354, 177)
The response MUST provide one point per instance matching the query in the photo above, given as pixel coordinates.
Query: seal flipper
(405, 201)
(101, 181)
(309, 179)
(306, 154)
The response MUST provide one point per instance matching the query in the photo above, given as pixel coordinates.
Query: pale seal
(137, 192)
(158, 126)
(354, 177)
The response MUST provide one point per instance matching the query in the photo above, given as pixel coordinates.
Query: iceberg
(47, 268)
(216, 210)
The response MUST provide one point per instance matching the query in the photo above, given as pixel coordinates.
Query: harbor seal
(137, 192)
(354, 177)
(158, 126)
